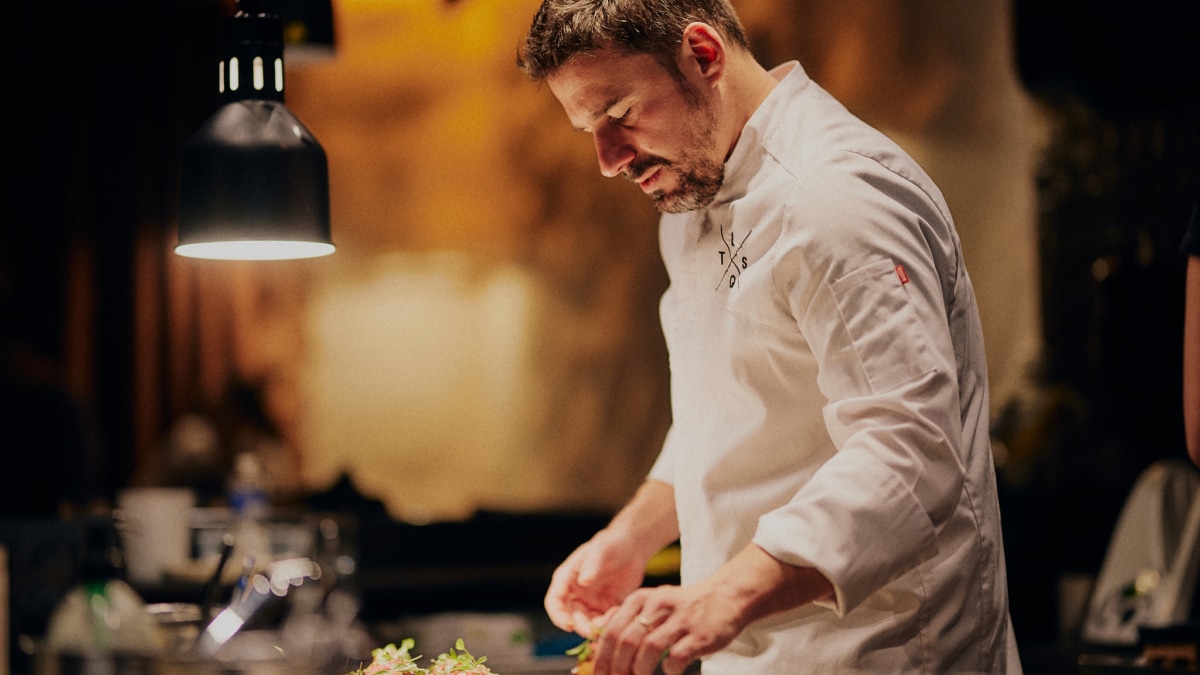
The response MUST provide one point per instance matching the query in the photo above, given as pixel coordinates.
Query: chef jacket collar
(739, 168)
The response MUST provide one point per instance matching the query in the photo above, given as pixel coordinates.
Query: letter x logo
(733, 263)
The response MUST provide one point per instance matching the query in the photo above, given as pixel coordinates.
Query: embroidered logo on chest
(733, 263)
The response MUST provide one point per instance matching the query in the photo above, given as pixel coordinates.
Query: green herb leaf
(582, 651)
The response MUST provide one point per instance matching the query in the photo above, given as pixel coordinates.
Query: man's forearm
(760, 585)
(648, 518)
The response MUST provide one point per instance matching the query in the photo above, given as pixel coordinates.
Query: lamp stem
(252, 54)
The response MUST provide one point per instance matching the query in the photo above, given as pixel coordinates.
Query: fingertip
(560, 617)
(581, 626)
(674, 665)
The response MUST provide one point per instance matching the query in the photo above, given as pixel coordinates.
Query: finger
(562, 605)
(557, 610)
(583, 624)
(680, 655)
(627, 650)
(599, 622)
(558, 593)
(661, 633)
(649, 654)
(558, 614)
(605, 645)
(674, 664)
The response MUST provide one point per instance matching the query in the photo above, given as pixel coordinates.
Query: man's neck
(748, 85)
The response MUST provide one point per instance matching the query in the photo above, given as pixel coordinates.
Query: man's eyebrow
(602, 110)
(606, 106)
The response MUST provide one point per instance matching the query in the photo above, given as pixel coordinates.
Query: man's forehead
(591, 83)
(586, 72)
(585, 92)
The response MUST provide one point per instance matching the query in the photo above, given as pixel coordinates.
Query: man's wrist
(760, 585)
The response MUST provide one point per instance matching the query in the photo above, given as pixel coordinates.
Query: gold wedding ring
(644, 621)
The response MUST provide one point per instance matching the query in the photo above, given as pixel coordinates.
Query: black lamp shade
(254, 180)
(253, 175)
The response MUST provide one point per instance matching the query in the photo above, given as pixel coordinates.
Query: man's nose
(613, 151)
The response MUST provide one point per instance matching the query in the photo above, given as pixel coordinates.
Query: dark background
(1115, 192)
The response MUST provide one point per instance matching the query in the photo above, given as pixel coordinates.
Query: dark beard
(698, 185)
(697, 189)
(699, 178)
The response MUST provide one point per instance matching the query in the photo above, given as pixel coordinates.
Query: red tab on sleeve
(902, 274)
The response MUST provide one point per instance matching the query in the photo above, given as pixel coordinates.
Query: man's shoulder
(827, 154)
(810, 125)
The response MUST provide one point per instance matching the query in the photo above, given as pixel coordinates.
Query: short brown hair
(563, 29)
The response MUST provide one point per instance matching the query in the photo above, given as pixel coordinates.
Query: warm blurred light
(255, 250)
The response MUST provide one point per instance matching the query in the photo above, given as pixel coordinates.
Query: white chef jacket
(829, 398)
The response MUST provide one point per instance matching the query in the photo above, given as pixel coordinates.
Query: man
(828, 471)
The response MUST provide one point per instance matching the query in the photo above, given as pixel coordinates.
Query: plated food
(393, 660)
(460, 661)
(390, 659)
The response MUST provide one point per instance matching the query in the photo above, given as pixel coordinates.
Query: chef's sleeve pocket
(883, 326)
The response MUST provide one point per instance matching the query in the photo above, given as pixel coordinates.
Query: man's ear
(704, 50)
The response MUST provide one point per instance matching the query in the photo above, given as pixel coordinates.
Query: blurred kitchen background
(482, 353)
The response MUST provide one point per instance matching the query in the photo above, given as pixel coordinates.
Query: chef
(828, 471)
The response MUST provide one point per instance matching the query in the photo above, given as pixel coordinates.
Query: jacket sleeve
(865, 283)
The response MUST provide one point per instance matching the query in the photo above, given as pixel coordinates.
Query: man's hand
(672, 624)
(594, 580)
(677, 625)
